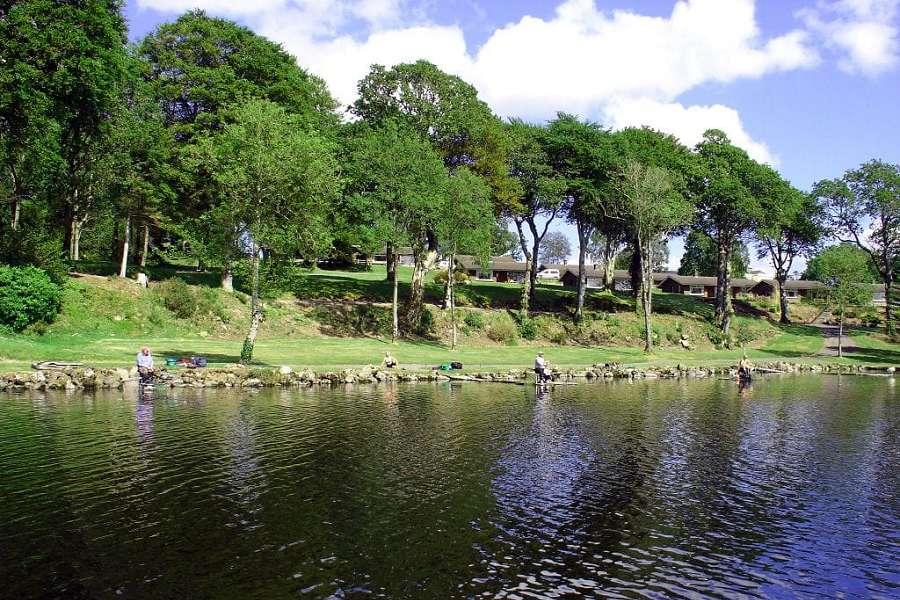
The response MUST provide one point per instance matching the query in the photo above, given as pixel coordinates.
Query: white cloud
(686, 122)
(582, 60)
(864, 33)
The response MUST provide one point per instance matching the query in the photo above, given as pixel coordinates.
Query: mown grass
(104, 321)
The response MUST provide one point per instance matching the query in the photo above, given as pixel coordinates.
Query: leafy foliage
(27, 295)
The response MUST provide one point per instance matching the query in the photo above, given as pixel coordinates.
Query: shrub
(275, 277)
(27, 295)
(209, 303)
(458, 277)
(178, 297)
(503, 331)
(525, 326)
(474, 320)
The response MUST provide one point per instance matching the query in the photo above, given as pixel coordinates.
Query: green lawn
(335, 353)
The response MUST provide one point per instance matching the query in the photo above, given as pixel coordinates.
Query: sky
(809, 86)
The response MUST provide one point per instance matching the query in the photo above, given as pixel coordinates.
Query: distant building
(404, 256)
(692, 285)
(594, 278)
(794, 289)
(503, 269)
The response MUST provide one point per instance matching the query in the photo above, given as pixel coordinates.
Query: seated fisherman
(144, 364)
(389, 361)
(745, 368)
(540, 368)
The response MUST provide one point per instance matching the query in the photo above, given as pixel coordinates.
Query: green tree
(814, 270)
(607, 244)
(276, 179)
(72, 57)
(466, 223)
(659, 256)
(583, 155)
(863, 208)
(727, 207)
(397, 190)
(447, 112)
(788, 227)
(539, 196)
(556, 248)
(199, 70)
(845, 273)
(652, 208)
(701, 256)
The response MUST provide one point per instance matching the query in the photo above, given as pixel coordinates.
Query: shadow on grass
(212, 358)
(208, 278)
(872, 355)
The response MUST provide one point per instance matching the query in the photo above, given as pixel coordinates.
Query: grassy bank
(336, 319)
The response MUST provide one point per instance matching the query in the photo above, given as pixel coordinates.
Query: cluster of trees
(210, 137)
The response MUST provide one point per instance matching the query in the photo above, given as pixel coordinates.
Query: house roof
(618, 274)
(736, 282)
(495, 263)
(796, 284)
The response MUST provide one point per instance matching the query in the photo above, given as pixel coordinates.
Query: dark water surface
(656, 489)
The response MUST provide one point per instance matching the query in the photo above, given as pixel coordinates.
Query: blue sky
(809, 86)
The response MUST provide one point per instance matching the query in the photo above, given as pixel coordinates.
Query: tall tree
(652, 209)
(72, 55)
(396, 190)
(583, 155)
(788, 227)
(814, 270)
(465, 223)
(277, 180)
(199, 68)
(727, 207)
(447, 112)
(845, 273)
(659, 256)
(701, 256)
(539, 196)
(556, 248)
(863, 208)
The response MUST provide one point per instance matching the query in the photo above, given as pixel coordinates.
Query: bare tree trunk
(888, 300)
(416, 290)
(390, 262)
(227, 277)
(646, 292)
(395, 328)
(450, 274)
(583, 239)
(723, 285)
(123, 265)
(634, 272)
(782, 300)
(841, 335)
(146, 246)
(255, 308)
(16, 194)
(609, 263)
(77, 229)
(525, 303)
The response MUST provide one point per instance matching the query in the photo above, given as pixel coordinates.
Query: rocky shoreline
(75, 378)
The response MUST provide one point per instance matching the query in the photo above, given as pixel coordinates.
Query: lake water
(655, 489)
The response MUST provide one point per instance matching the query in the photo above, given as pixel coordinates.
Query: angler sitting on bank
(144, 362)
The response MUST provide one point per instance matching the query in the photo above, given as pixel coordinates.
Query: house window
(791, 293)
(696, 290)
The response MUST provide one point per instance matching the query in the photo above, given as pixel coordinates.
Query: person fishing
(745, 369)
(144, 362)
(542, 373)
(389, 361)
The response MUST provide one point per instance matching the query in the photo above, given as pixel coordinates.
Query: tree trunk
(609, 264)
(15, 213)
(77, 228)
(888, 298)
(782, 299)
(535, 253)
(450, 282)
(145, 246)
(413, 315)
(448, 287)
(16, 194)
(123, 266)
(255, 308)
(390, 260)
(634, 271)
(525, 303)
(227, 277)
(583, 238)
(647, 293)
(395, 326)
(723, 291)
(841, 335)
